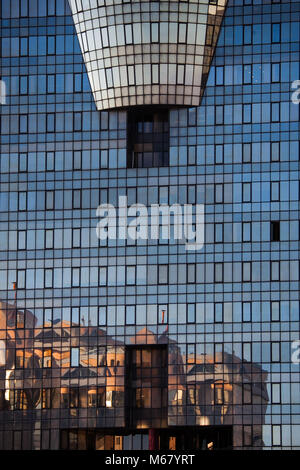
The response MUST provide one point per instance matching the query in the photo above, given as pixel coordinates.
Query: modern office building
(126, 336)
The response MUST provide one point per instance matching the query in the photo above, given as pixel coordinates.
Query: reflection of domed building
(16, 354)
(219, 387)
(146, 393)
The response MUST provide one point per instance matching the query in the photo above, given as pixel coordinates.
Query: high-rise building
(149, 232)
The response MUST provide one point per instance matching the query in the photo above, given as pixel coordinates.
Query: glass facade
(132, 344)
(145, 52)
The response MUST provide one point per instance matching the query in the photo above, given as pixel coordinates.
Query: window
(219, 154)
(49, 239)
(219, 118)
(19, 360)
(247, 153)
(49, 200)
(103, 276)
(148, 138)
(47, 357)
(191, 313)
(21, 240)
(24, 85)
(219, 75)
(246, 272)
(218, 313)
(50, 161)
(50, 45)
(218, 353)
(275, 352)
(75, 277)
(76, 199)
(275, 272)
(246, 311)
(22, 162)
(275, 72)
(276, 435)
(50, 122)
(92, 399)
(247, 74)
(163, 274)
(182, 32)
(275, 231)
(275, 112)
(21, 278)
(219, 233)
(20, 319)
(130, 275)
(48, 278)
(23, 8)
(77, 160)
(143, 398)
(275, 152)
(191, 273)
(77, 121)
(23, 123)
(275, 191)
(246, 232)
(130, 314)
(48, 313)
(76, 236)
(164, 195)
(247, 34)
(247, 113)
(46, 398)
(275, 32)
(191, 155)
(246, 192)
(23, 46)
(50, 83)
(64, 398)
(74, 397)
(162, 314)
(102, 316)
(218, 193)
(77, 82)
(74, 357)
(22, 201)
(276, 393)
(191, 194)
(101, 397)
(218, 272)
(275, 311)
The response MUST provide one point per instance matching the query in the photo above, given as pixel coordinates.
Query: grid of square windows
(231, 309)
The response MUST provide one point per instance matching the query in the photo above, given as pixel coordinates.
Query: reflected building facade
(141, 344)
(106, 395)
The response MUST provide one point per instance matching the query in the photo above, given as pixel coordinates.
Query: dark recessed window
(148, 138)
(275, 231)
